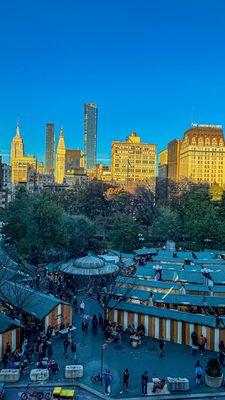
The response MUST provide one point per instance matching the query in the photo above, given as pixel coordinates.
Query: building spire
(17, 128)
(61, 131)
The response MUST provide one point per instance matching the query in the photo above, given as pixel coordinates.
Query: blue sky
(150, 66)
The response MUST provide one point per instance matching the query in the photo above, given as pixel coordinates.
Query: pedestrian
(126, 377)
(94, 323)
(194, 338)
(65, 346)
(107, 382)
(144, 383)
(49, 332)
(73, 350)
(198, 373)
(84, 327)
(203, 342)
(8, 348)
(161, 347)
(82, 307)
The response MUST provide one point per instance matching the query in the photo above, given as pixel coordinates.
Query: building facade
(60, 169)
(163, 164)
(132, 160)
(174, 159)
(202, 154)
(74, 160)
(20, 163)
(90, 135)
(50, 148)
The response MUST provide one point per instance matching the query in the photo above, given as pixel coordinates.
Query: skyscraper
(90, 134)
(50, 147)
(60, 168)
(20, 163)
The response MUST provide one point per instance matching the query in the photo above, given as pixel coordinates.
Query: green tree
(124, 232)
(166, 225)
(82, 235)
(35, 226)
(200, 217)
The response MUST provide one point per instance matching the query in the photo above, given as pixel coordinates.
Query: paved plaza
(177, 361)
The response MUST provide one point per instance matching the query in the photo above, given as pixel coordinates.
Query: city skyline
(152, 67)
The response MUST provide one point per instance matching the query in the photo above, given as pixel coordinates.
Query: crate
(74, 371)
(178, 384)
(9, 375)
(39, 375)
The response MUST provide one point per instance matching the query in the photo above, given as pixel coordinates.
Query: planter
(213, 382)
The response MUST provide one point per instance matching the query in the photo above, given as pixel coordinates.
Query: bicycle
(96, 378)
(36, 395)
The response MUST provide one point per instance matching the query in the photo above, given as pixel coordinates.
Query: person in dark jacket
(126, 377)
(94, 323)
(144, 383)
(194, 338)
(66, 345)
(73, 350)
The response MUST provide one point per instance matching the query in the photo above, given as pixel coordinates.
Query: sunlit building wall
(202, 154)
(163, 164)
(174, 159)
(20, 163)
(60, 168)
(132, 160)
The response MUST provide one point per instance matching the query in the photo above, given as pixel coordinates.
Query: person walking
(84, 327)
(73, 350)
(126, 378)
(198, 373)
(94, 323)
(194, 338)
(144, 383)
(49, 350)
(161, 347)
(203, 342)
(65, 346)
(107, 381)
(82, 307)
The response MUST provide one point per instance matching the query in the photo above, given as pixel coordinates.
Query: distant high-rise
(90, 134)
(20, 163)
(60, 159)
(50, 147)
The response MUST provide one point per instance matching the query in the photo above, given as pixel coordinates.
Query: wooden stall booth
(45, 308)
(172, 325)
(10, 332)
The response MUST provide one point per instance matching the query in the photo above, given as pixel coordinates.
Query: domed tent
(89, 265)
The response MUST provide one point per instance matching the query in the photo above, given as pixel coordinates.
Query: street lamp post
(103, 347)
